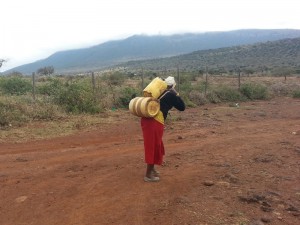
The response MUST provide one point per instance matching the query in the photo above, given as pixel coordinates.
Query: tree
(1, 62)
(47, 70)
(283, 71)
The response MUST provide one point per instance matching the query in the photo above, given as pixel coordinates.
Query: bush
(185, 88)
(16, 110)
(254, 91)
(51, 88)
(296, 94)
(15, 86)
(41, 110)
(126, 95)
(279, 89)
(203, 85)
(197, 98)
(12, 113)
(225, 93)
(213, 97)
(77, 98)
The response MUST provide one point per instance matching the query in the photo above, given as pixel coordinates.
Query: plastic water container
(144, 106)
(155, 88)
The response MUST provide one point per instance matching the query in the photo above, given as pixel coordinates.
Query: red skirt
(153, 144)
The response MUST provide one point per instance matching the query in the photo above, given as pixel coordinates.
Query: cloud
(33, 29)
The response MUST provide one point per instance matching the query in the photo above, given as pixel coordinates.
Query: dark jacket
(170, 100)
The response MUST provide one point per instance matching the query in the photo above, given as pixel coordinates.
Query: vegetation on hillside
(276, 58)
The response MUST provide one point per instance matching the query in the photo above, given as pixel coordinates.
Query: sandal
(155, 173)
(151, 179)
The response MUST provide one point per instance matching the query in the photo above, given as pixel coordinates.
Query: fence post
(178, 78)
(239, 77)
(33, 86)
(94, 85)
(142, 79)
(206, 80)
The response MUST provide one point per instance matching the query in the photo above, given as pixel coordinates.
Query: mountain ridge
(144, 47)
(271, 55)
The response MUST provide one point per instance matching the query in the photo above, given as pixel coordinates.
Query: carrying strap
(163, 94)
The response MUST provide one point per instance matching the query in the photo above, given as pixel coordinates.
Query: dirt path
(224, 165)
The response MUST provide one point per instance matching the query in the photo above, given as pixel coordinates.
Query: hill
(283, 53)
(141, 47)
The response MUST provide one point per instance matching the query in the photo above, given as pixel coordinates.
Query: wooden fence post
(33, 86)
(94, 85)
(239, 77)
(142, 79)
(206, 81)
(178, 78)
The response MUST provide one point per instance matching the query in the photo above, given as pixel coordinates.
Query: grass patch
(38, 130)
(296, 94)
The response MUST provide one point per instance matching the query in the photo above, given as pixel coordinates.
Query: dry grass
(37, 130)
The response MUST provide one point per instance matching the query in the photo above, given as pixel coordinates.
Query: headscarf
(170, 81)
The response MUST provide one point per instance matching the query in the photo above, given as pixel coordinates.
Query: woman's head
(170, 81)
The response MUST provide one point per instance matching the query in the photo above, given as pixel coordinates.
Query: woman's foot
(155, 173)
(151, 174)
(151, 179)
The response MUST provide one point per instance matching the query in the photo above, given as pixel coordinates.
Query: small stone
(292, 208)
(223, 183)
(265, 219)
(21, 160)
(21, 199)
(208, 183)
(232, 178)
(266, 208)
(296, 214)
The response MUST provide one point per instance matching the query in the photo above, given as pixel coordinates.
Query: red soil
(223, 165)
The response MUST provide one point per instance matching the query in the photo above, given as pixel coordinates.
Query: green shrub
(51, 88)
(212, 97)
(77, 98)
(254, 91)
(126, 95)
(296, 94)
(185, 88)
(202, 85)
(226, 93)
(15, 86)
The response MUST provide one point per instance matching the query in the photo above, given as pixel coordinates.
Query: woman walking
(153, 129)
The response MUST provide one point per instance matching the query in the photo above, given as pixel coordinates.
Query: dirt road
(223, 165)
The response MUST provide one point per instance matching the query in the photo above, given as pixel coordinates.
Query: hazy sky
(34, 29)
